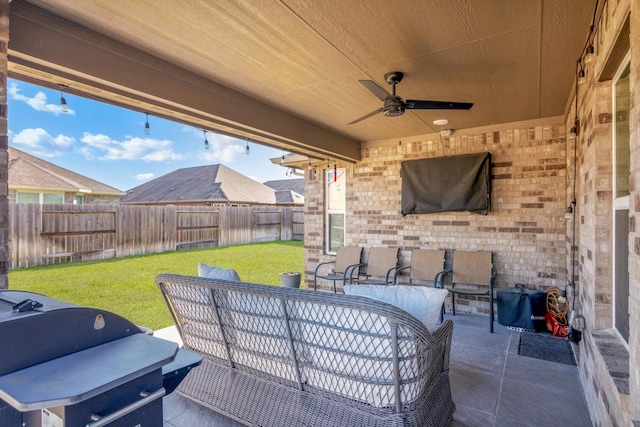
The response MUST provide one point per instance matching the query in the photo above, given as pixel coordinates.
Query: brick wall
(612, 396)
(4, 143)
(532, 186)
(634, 261)
(526, 228)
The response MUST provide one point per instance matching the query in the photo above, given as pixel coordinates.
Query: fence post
(286, 226)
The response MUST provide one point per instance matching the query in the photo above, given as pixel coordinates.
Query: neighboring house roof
(27, 172)
(295, 185)
(289, 197)
(213, 183)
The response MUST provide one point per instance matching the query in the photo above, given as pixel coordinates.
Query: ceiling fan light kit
(395, 106)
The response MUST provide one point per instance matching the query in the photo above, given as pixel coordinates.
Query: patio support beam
(47, 50)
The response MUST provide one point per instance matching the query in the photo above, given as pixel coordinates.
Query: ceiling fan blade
(373, 113)
(414, 104)
(375, 89)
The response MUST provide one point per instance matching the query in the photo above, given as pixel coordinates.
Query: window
(40, 198)
(52, 198)
(79, 200)
(28, 197)
(621, 134)
(335, 192)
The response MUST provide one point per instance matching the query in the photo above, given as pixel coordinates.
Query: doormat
(546, 347)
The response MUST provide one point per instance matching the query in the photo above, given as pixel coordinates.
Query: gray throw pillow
(212, 272)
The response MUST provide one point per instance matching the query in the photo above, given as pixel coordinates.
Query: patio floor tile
(492, 386)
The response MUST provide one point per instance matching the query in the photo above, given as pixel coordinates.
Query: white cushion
(422, 302)
(212, 272)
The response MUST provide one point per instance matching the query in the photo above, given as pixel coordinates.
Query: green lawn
(126, 286)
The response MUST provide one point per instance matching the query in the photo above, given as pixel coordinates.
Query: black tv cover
(447, 184)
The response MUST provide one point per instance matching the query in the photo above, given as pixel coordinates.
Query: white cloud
(222, 149)
(133, 148)
(222, 155)
(38, 142)
(38, 102)
(145, 176)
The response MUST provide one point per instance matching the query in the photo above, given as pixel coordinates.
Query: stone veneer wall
(526, 228)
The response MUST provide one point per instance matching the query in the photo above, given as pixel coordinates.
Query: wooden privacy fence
(49, 234)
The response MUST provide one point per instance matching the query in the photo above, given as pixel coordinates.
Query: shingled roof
(295, 185)
(27, 172)
(207, 184)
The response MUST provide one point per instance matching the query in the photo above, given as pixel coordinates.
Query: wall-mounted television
(447, 184)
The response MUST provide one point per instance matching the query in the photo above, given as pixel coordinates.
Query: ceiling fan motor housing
(393, 106)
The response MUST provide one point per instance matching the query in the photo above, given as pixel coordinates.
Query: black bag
(522, 308)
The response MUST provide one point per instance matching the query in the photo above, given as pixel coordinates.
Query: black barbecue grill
(63, 365)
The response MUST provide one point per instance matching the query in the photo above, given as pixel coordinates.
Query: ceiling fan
(395, 106)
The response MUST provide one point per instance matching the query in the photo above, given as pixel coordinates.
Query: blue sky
(108, 143)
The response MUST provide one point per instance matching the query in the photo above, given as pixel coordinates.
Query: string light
(147, 129)
(581, 74)
(63, 102)
(590, 54)
(206, 143)
(247, 149)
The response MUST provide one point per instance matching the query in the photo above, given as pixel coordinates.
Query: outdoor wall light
(206, 143)
(63, 102)
(147, 129)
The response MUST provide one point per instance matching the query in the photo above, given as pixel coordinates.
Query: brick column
(634, 211)
(4, 139)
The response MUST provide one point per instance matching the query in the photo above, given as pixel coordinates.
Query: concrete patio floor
(491, 385)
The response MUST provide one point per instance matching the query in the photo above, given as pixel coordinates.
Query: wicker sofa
(277, 356)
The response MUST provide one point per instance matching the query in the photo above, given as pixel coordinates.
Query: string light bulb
(590, 54)
(63, 102)
(581, 74)
(247, 150)
(206, 143)
(147, 129)
(581, 77)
